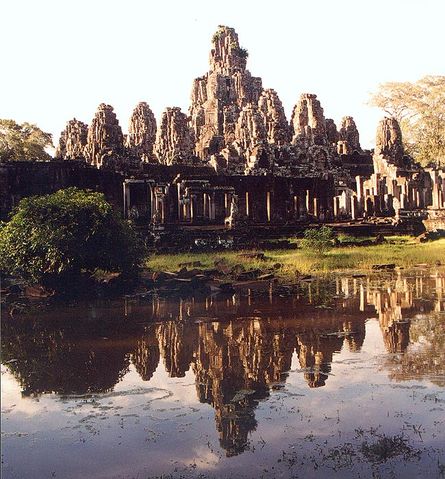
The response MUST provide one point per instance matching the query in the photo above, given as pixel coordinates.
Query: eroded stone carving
(219, 96)
(72, 141)
(388, 141)
(349, 138)
(174, 138)
(331, 132)
(142, 133)
(105, 141)
(308, 124)
(277, 128)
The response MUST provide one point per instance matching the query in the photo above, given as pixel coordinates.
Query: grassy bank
(402, 251)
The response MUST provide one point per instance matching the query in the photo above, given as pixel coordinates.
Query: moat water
(341, 378)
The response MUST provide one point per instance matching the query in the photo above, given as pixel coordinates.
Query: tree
(419, 108)
(23, 142)
(318, 240)
(54, 237)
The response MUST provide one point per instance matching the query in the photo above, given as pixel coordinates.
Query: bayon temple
(235, 160)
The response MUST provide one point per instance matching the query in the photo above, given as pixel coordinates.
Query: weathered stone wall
(24, 178)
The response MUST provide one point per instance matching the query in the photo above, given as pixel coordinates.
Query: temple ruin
(234, 160)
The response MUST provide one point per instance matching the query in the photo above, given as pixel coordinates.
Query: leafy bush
(318, 240)
(64, 234)
(241, 52)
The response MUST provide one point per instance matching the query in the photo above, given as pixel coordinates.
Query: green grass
(399, 250)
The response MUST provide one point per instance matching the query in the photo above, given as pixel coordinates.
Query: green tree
(54, 237)
(419, 108)
(23, 142)
(318, 240)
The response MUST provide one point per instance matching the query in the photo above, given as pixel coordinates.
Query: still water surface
(338, 378)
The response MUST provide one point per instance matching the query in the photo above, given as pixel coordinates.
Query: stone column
(302, 205)
(354, 207)
(192, 207)
(316, 207)
(436, 196)
(359, 186)
(126, 197)
(336, 204)
(308, 202)
(212, 206)
(296, 207)
(205, 211)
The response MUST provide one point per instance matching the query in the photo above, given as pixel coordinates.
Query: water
(338, 378)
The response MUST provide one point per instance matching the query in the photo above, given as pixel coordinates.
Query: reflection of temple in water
(177, 343)
(146, 356)
(238, 348)
(315, 354)
(392, 306)
(417, 329)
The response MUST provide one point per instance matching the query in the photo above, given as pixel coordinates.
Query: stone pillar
(436, 196)
(296, 207)
(418, 203)
(377, 206)
(359, 186)
(354, 207)
(212, 206)
(205, 206)
(402, 201)
(192, 207)
(162, 207)
(336, 203)
(153, 201)
(316, 207)
(302, 205)
(360, 194)
(126, 195)
(396, 207)
(375, 183)
(180, 208)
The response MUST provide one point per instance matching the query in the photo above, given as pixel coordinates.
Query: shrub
(65, 234)
(241, 52)
(318, 240)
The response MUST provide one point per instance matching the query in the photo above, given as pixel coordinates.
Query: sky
(60, 59)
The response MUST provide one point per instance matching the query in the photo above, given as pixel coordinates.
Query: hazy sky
(60, 59)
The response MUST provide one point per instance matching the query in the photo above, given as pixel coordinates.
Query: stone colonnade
(213, 200)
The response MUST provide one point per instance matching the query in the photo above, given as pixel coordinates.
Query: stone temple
(235, 161)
